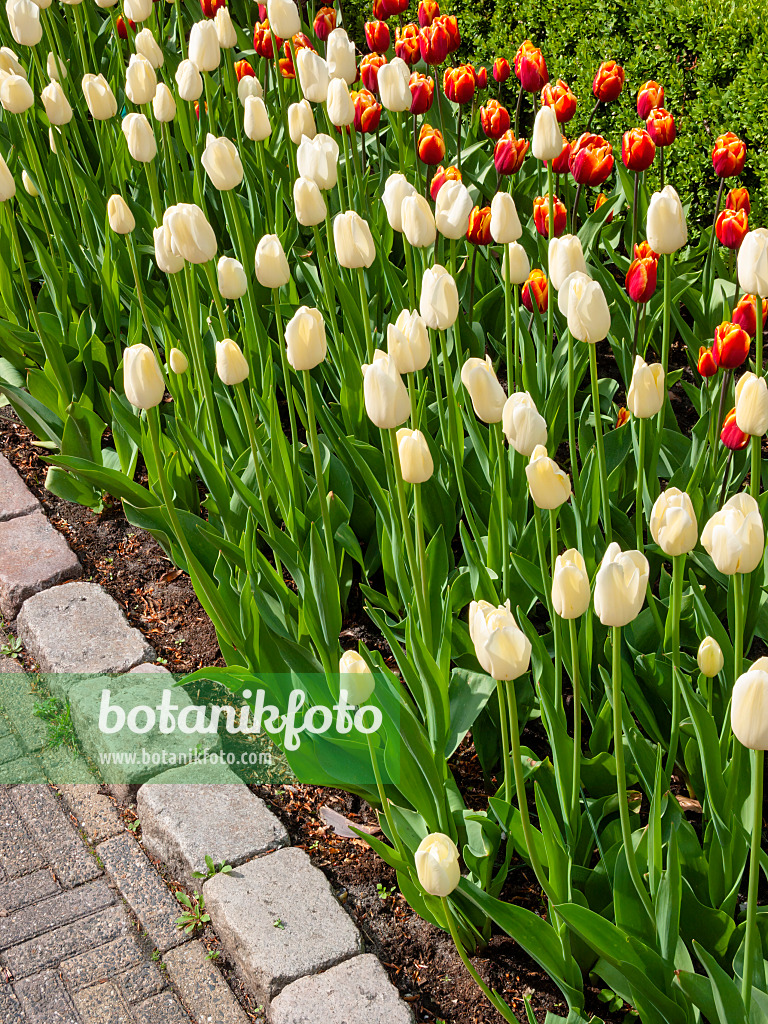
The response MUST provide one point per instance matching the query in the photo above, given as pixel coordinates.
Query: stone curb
(293, 944)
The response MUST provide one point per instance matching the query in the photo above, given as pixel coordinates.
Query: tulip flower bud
(729, 155)
(661, 127)
(188, 233)
(408, 44)
(459, 84)
(570, 585)
(249, 85)
(283, 17)
(752, 262)
(164, 105)
(386, 399)
(431, 145)
(271, 265)
(505, 223)
(167, 260)
(11, 66)
(509, 153)
(731, 227)
(749, 709)
(396, 189)
(707, 365)
(324, 23)
(731, 346)
(710, 657)
(752, 405)
(536, 289)
(222, 163)
(225, 30)
(745, 314)
(57, 108)
(433, 44)
(370, 66)
(305, 338)
(394, 86)
(232, 282)
(646, 392)
(313, 75)
(479, 378)
(620, 586)
(231, 364)
(637, 150)
(353, 241)
(501, 70)
(591, 159)
(494, 119)
(408, 342)
(137, 10)
(204, 49)
(547, 142)
(29, 187)
(140, 81)
(641, 278)
(452, 209)
(341, 110)
(566, 257)
(437, 864)
(24, 22)
(541, 215)
(519, 267)
(665, 227)
(317, 159)
(440, 176)
(562, 164)
(149, 48)
(308, 203)
(142, 377)
(649, 97)
(501, 647)
(550, 487)
(418, 221)
(422, 89)
(479, 230)
(734, 537)
(121, 220)
(587, 310)
(673, 522)
(356, 678)
(377, 36)
(560, 98)
(139, 137)
(340, 54)
(439, 300)
(178, 361)
(524, 427)
(189, 81)
(415, 457)
(16, 94)
(731, 436)
(608, 81)
(301, 122)
(7, 184)
(530, 67)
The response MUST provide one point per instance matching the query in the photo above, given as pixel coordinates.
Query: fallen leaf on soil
(687, 803)
(343, 826)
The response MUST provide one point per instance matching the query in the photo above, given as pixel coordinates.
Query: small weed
(155, 955)
(383, 892)
(213, 955)
(13, 648)
(134, 826)
(58, 719)
(277, 923)
(193, 916)
(211, 869)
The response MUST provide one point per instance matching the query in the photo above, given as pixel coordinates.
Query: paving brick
(9, 749)
(18, 701)
(10, 1010)
(50, 949)
(22, 770)
(8, 666)
(355, 992)
(64, 767)
(102, 963)
(78, 628)
(162, 1009)
(19, 855)
(16, 499)
(45, 1000)
(55, 835)
(96, 813)
(183, 820)
(102, 1004)
(23, 892)
(201, 986)
(315, 933)
(54, 912)
(33, 556)
(140, 982)
(143, 889)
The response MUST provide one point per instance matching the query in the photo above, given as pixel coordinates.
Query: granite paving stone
(16, 499)
(23, 769)
(313, 934)
(102, 1004)
(19, 855)
(9, 749)
(102, 963)
(47, 950)
(55, 835)
(203, 990)
(45, 1000)
(140, 982)
(18, 702)
(54, 912)
(29, 889)
(10, 1010)
(96, 813)
(33, 556)
(162, 1009)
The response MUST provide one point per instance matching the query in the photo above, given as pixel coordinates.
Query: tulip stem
(410, 270)
(458, 137)
(550, 289)
(140, 294)
(750, 933)
(504, 741)
(366, 315)
(678, 571)
(754, 477)
(576, 685)
(322, 493)
(384, 800)
(286, 376)
(456, 440)
(517, 370)
(542, 558)
(511, 385)
(639, 510)
(555, 616)
(708, 266)
(503, 518)
(198, 349)
(600, 447)
(418, 510)
(621, 780)
(575, 213)
(260, 146)
(571, 411)
(406, 527)
(330, 295)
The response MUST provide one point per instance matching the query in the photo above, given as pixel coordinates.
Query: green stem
(555, 617)
(385, 800)
(571, 411)
(751, 940)
(678, 571)
(511, 385)
(665, 344)
(604, 497)
(286, 375)
(542, 558)
(639, 510)
(576, 685)
(325, 504)
(366, 315)
(406, 528)
(754, 476)
(550, 290)
(418, 510)
(504, 740)
(503, 518)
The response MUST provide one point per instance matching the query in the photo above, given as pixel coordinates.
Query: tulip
(340, 54)
(530, 67)
(520, 270)
(479, 378)
(148, 47)
(731, 345)
(57, 108)
(249, 86)
(587, 311)
(550, 487)
(394, 86)
(339, 104)
(422, 89)
(560, 99)
(225, 30)
(271, 265)
(431, 145)
(167, 260)
(535, 289)
(356, 678)
(10, 65)
(408, 342)
(479, 230)
(317, 159)
(439, 301)
(433, 43)
(301, 123)
(661, 127)
(122, 28)
(524, 427)
(24, 22)
(137, 10)
(441, 175)
(188, 233)
(222, 163)
(140, 81)
(649, 97)
(566, 257)
(452, 209)
(189, 81)
(749, 709)
(7, 184)
(243, 69)
(608, 82)
(620, 586)
(738, 199)
(324, 23)
(731, 436)
(541, 215)
(367, 111)
(415, 457)
(232, 282)
(501, 647)
(396, 189)
(386, 398)
(734, 537)
(673, 522)
(408, 44)
(494, 119)
(459, 84)
(418, 221)
(283, 17)
(710, 657)
(706, 365)
(752, 262)
(591, 159)
(428, 11)
(451, 26)
(370, 66)
(262, 41)
(313, 75)
(561, 164)
(501, 70)
(637, 150)
(142, 377)
(308, 202)
(752, 405)
(377, 36)
(646, 391)
(505, 223)
(728, 155)
(139, 137)
(121, 220)
(255, 120)
(164, 105)
(353, 241)
(437, 864)
(641, 279)
(204, 49)
(210, 7)
(231, 364)
(178, 361)
(731, 227)
(570, 585)
(665, 226)
(547, 138)
(29, 187)
(745, 314)
(509, 153)
(16, 94)
(305, 338)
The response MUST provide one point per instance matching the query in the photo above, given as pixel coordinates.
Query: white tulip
(734, 537)
(666, 229)
(673, 522)
(620, 586)
(525, 428)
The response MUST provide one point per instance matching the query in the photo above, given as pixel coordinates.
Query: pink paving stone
(16, 499)
(33, 556)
